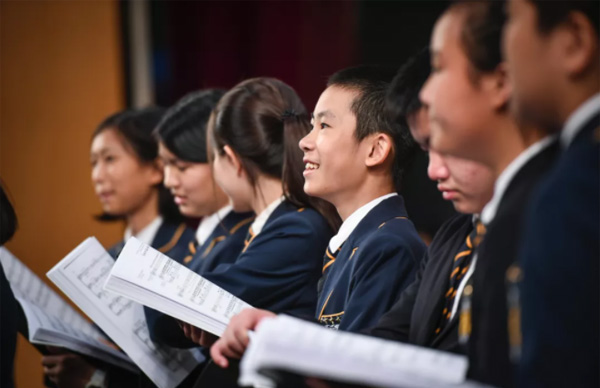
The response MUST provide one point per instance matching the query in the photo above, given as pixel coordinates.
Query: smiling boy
(354, 159)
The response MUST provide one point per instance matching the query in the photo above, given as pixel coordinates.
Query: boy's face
(533, 64)
(468, 184)
(334, 168)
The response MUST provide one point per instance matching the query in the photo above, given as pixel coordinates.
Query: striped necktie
(192, 247)
(249, 237)
(460, 266)
(328, 261)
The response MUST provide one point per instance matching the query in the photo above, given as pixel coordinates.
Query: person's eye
(325, 125)
(109, 159)
(182, 167)
(93, 162)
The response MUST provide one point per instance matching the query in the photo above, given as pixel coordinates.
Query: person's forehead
(164, 152)
(446, 41)
(334, 103)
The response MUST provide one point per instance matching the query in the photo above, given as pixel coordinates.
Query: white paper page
(81, 275)
(26, 285)
(157, 275)
(45, 329)
(307, 348)
(51, 320)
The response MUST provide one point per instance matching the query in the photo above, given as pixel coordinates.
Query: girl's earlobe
(233, 158)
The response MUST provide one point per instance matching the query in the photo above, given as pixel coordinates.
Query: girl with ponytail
(253, 136)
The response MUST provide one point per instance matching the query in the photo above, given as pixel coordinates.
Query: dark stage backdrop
(200, 44)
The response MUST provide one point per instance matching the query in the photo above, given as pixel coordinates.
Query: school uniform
(224, 243)
(169, 238)
(278, 270)
(560, 259)
(280, 264)
(372, 259)
(488, 342)
(219, 240)
(415, 318)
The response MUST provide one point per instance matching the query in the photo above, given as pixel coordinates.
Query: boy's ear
(234, 159)
(379, 148)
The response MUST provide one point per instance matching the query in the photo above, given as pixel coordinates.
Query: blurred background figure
(8, 304)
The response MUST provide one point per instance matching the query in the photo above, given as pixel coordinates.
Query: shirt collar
(209, 223)
(262, 218)
(489, 211)
(353, 220)
(577, 120)
(147, 234)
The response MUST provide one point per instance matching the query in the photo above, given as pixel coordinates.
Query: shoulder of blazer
(237, 222)
(300, 219)
(381, 222)
(454, 229)
(169, 235)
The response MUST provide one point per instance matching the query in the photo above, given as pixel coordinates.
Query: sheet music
(310, 349)
(152, 278)
(26, 285)
(81, 276)
(52, 321)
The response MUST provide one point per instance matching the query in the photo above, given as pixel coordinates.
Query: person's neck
(267, 190)
(350, 201)
(509, 143)
(144, 215)
(575, 96)
(221, 200)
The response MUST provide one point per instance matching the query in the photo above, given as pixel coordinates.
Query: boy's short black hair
(402, 100)
(371, 83)
(481, 35)
(552, 13)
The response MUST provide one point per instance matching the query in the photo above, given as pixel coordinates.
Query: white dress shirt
(353, 220)
(575, 122)
(147, 234)
(209, 223)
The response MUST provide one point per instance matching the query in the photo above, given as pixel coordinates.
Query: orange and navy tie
(192, 247)
(328, 261)
(249, 237)
(460, 266)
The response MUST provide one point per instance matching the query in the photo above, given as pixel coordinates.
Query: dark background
(200, 44)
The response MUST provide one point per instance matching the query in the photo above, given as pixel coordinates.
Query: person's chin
(462, 207)
(311, 190)
(187, 212)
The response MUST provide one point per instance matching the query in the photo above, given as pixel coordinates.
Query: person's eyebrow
(323, 114)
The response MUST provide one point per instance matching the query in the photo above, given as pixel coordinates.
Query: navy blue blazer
(171, 239)
(417, 313)
(488, 345)
(374, 265)
(560, 258)
(223, 245)
(280, 267)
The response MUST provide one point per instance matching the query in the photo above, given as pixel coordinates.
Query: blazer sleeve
(395, 323)
(383, 272)
(281, 266)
